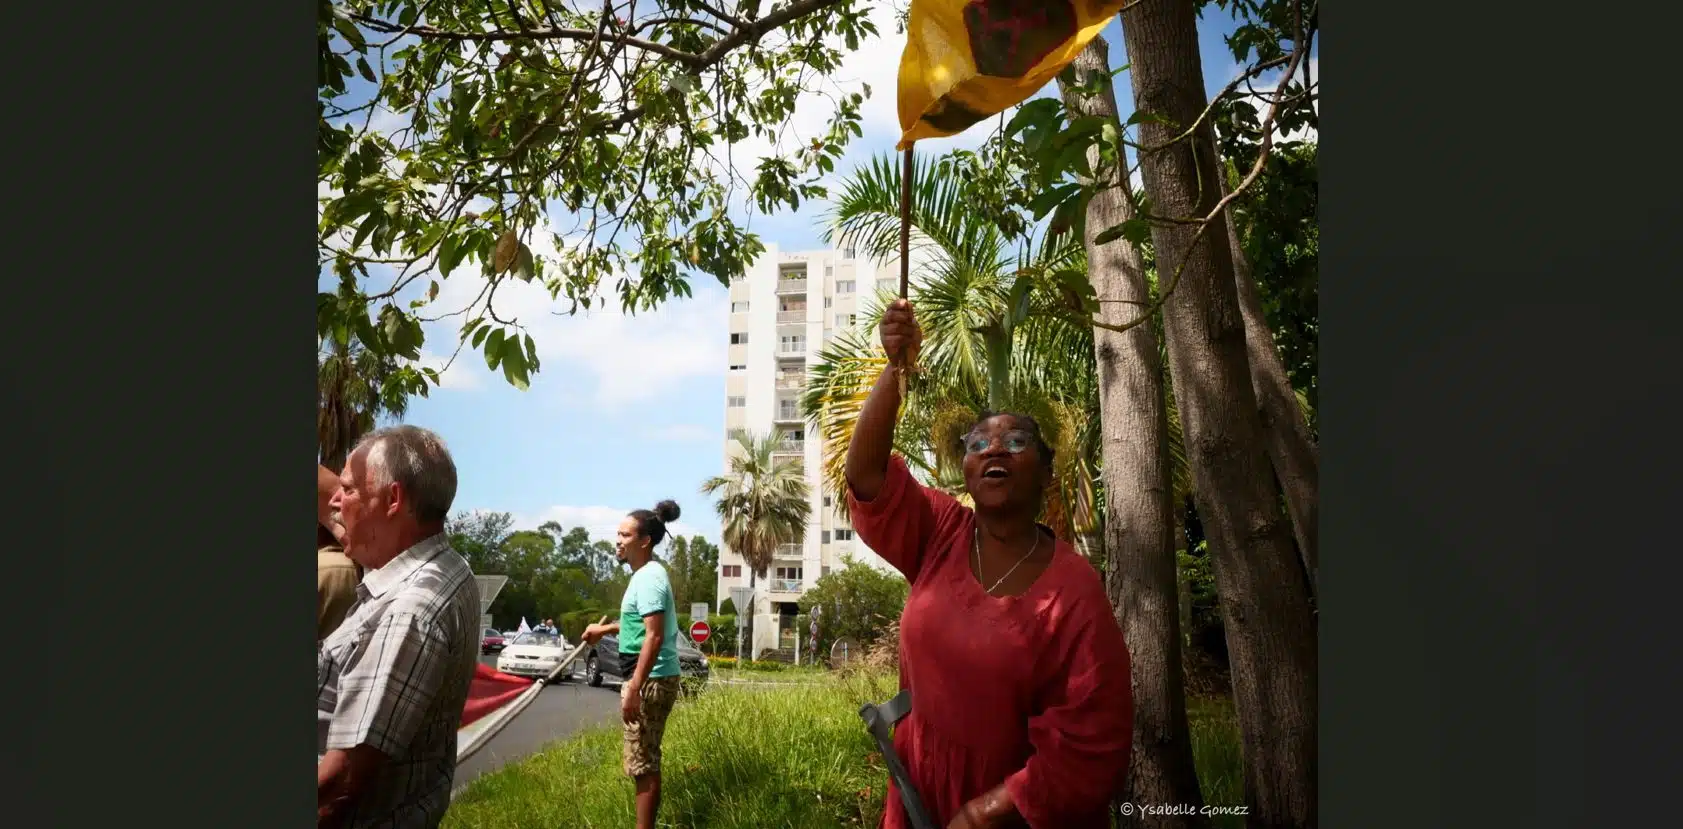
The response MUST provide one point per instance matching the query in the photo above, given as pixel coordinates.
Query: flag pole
(902, 367)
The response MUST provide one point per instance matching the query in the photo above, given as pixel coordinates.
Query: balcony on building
(788, 409)
(791, 279)
(791, 380)
(787, 570)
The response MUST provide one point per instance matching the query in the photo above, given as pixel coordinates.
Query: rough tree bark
(1291, 449)
(1264, 597)
(1140, 524)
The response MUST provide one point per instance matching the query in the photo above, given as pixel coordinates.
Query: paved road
(558, 712)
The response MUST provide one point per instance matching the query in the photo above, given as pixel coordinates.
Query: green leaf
(531, 351)
(494, 349)
(1141, 117)
(349, 31)
(1051, 198)
(407, 339)
(479, 336)
(368, 225)
(1136, 230)
(450, 254)
(683, 83)
(514, 364)
(1038, 112)
(366, 71)
(1019, 299)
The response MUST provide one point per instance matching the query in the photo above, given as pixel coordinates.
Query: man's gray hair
(416, 460)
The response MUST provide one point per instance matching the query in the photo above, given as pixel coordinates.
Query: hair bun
(667, 511)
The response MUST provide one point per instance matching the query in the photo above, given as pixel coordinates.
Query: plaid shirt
(395, 676)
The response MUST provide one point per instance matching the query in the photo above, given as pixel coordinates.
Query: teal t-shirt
(650, 591)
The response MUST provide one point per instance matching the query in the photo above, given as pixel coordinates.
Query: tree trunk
(1291, 449)
(753, 599)
(1264, 597)
(996, 341)
(1139, 529)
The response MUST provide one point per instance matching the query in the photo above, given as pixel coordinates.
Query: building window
(792, 344)
(829, 270)
(739, 307)
(736, 402)
(790, 573)
(844, 286)
(739, 338)
(786, 410)
(741, 277)
(732, 571)
(826, 538)
(888, 285)
(827, 301)
(738, 367)
(844, 535)
(850, 253)
(825, 571)
(827, 500)
(735, 434)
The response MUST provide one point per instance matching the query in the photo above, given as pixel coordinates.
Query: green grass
(1216, 754)
(796, 675)
(747, 758)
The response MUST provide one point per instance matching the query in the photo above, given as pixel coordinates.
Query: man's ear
(396, 500)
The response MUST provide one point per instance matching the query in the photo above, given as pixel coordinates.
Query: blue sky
(629, 410)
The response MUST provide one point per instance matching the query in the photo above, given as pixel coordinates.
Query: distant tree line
(554, 572)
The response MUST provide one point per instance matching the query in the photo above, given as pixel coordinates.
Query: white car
(533, 654)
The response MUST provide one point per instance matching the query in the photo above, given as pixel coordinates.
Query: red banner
(491, 690)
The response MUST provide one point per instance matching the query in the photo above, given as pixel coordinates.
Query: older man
(392, 680)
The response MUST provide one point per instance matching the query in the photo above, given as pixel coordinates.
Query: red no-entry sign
(700, 631)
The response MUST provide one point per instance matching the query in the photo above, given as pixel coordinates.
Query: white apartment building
(783, 311)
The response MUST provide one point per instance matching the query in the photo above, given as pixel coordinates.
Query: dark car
(491, 641)
(603, 661)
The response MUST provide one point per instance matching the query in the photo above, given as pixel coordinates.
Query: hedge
(721, 641)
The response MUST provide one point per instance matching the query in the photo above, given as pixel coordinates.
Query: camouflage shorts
(642, 738)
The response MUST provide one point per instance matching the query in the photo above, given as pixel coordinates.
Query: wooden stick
(901, 366)
(905, 223)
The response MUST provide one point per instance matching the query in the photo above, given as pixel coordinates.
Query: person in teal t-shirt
(648, 651)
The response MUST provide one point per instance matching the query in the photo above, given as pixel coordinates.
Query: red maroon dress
(1033, 690)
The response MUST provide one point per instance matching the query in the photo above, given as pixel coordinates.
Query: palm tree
(354, 388)
(991, 339)
(762, 504)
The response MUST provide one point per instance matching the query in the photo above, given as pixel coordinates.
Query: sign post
(698, 611)
(699, 631)
(743, 598)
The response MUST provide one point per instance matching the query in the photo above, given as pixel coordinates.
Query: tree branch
(1221, 206)
(547, 33)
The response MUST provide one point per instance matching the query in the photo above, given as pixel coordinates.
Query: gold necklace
(976, 547)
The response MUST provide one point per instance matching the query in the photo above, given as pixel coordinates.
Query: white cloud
(627, 358)
(602, 522)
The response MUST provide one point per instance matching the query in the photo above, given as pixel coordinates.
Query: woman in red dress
(1022, 710)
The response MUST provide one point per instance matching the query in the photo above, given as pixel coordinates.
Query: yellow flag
(968, 59)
